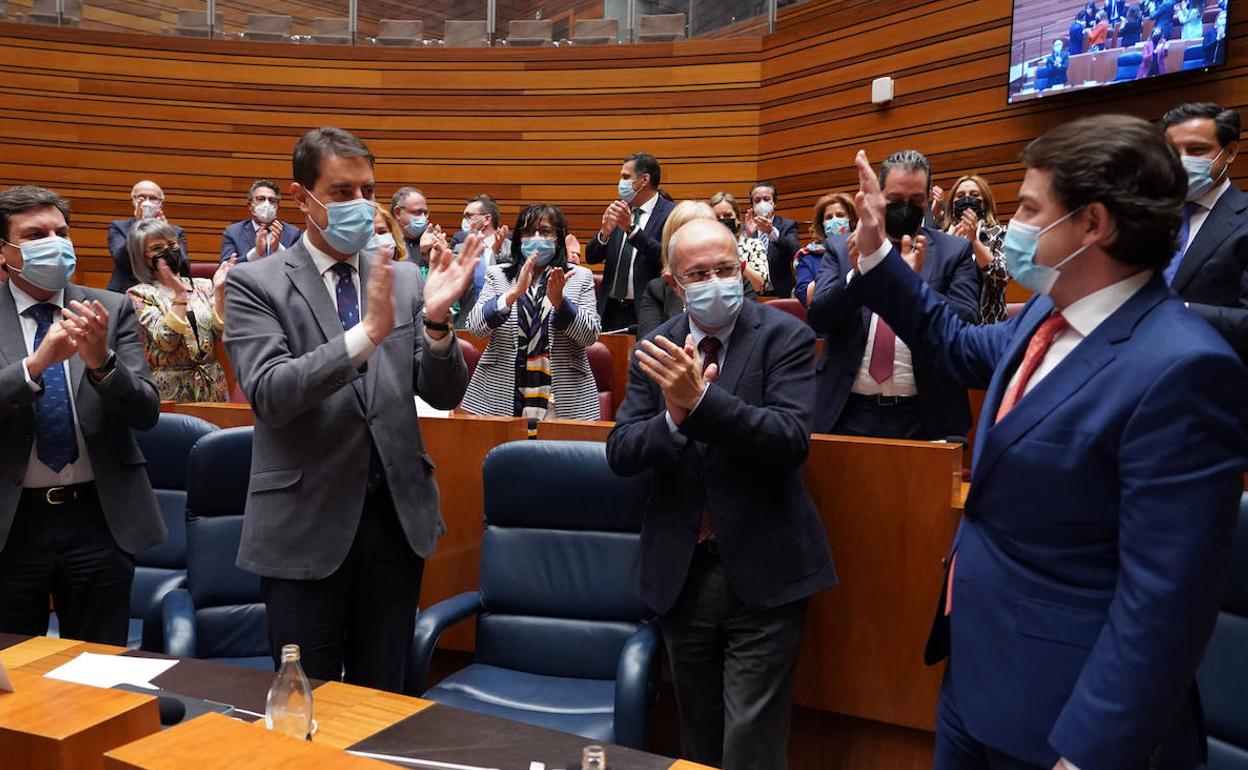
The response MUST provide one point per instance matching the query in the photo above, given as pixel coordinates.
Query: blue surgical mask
(373, 246)
(541, 248)
(1021, 242)
(835, 226)
(416, 227)
(1199, 174)
(714, 303)
(465, 224)
(349, 223)
(626, 191)
(47, 263)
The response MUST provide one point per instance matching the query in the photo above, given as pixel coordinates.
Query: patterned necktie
(1185, 231)
(348, 298)
(1040, 343)
(709, 347)
(624, 268)
(55, 438)
(764, 239)
(883, 351)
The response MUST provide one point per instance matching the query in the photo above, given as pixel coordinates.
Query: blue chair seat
(580, 706)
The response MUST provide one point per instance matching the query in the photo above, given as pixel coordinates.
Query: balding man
(718, 409)
(149, 203)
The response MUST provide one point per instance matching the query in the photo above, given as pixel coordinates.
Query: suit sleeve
(930, 322)
(964, 286)
(650, 309)
(1231, 322)
(641, 438)
(780, 254)
(832, 307)
(578, 318)
(130, 391)
(279, 385)
(1181, 463)
(441, 376)
(596, 251)
(117, 248)
(230, 246)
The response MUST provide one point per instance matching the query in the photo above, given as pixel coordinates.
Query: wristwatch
(106, 368)
(439, 327)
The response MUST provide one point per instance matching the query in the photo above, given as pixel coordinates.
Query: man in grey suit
(342, 509)
(75, 502)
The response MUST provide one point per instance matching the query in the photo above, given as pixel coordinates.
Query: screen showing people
(1058, 47)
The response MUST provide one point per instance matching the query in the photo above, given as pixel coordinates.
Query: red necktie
(883, 351)
(709, 347)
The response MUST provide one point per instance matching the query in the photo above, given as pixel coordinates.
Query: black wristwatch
(106, 368)
(438, 327)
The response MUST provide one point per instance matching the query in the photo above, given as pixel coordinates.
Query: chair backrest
(1223, 676)
(596, 31)
(604, 378)
(202, 269)
(471, 355)
(1129, 65)
(1194, 57)
(268, 23)
(229, 613)
(529, 31)
(197, 19)
(556, 582)
(466, 34)
(331, 26)
(412, 30)
(661, 26)
(1080, 68)
(790, 306)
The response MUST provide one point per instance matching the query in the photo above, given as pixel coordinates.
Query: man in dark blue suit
(1086, 574)
(630, 241)
(263, 234)
(149, 201)
(732, 547)
(1209, 270)
(871, 383)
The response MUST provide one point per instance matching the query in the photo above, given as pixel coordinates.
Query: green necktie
(623, 268)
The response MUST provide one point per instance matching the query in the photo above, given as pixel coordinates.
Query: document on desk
(111, 670)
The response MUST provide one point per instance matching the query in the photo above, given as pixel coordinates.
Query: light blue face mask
(416, 227)
(541, 248)
(47, 263)
(714, 303)
(835, 226)
(349, 223)
(1021, 242)
(626, 191)
(1200, 174)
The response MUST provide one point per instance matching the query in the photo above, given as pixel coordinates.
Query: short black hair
(269, 183)
(645, 163)
(774, 195)
(321, 143)
(1225, 122)
(1123, 163)
(22, 198)
(491, 208)
(528, 220)
(906, 160)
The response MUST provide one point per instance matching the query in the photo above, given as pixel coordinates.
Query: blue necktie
(348, 298)
(1172, 269)
(56, 442)
(764, 239)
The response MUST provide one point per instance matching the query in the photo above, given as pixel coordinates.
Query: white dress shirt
(723, 335)
(646, 209)
(37, 474)
(901, 383)
(251, 255)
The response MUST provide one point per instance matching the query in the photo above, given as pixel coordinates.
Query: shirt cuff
(677, 436)
(34, 386)
(250, 255)
(359, 346)
(495, 313)
(179, 326)
(439, 347)
(565, 314)
(598, 238)
(868, 263)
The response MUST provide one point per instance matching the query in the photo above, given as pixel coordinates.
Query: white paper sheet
(111, 670)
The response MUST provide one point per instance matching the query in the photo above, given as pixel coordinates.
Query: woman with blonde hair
(390, 237)
(972, 214)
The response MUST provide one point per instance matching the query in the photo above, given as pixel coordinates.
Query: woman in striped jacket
(541, 316)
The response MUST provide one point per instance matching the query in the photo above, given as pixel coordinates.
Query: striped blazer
(492, 387)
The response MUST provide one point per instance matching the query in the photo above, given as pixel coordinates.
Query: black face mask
(173, 257)
(902, 218)
(731, 224)
(961, 205)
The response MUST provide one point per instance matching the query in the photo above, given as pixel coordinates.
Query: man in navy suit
(630, 241)
(718, 409)
(870, 382)
(1086, 574)
(777, 234)
(149, 202)
(1209, 269)
(263, 234)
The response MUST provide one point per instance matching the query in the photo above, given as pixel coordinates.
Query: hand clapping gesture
(678, 373)
(449, 277)
(523, 281)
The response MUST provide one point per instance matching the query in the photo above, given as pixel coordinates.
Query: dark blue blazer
(123, 277)
(1213, 276)
(747, 441)
(648, 262)
(240, 238)
(1091, 556)
(780, 253)
(949, 268)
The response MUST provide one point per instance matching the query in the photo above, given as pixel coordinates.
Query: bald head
(147, 188)
(701, 241)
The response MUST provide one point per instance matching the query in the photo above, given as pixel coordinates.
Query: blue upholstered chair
(1128, 65)
(1223, 676)
(162, 568)
(563, 642)
(1193, 57)
(219, 615)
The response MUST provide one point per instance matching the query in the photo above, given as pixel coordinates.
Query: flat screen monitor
(1063, 46)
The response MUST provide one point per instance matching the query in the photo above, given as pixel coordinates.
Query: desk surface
(356, 717)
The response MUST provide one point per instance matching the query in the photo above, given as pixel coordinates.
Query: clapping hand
(554, 287)
(678, 373)
(870, 204)
(449, 277)
(968, 226)
(500, 237)
(379, 320)
(914, 251)
(523, 281)
(87, 324)
(218, 276)
(750, 223)
(169, 280)
(623, 215)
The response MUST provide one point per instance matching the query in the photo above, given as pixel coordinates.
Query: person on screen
(1132, 28)
(1057, 63)
(1190, 16)
(1163, 18)
(1154, 61)
(1096, 38)
(1215, 41)
(1076, 34)
(1115, 10)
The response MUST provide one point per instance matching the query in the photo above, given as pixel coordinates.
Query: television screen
(1061, 46)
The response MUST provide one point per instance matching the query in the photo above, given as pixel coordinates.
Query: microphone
(171, 710)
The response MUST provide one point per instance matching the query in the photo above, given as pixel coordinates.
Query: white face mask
(264, 212)
(149, 209)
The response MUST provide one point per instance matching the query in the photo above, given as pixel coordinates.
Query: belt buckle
(883, 400)
(51, 497)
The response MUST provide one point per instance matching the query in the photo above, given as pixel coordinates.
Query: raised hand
(967, 226)
(870, 204)
(379, 319)
(169, 280)
(500, 236)
(87, 324)
(938, 197)
(554, 286)
(623, 216)
(449, 277)
(608, 222)
(573, 248)
(523, 281)
(676, 370)
(430, 236)
(750, 223)
(57, 346)
(218, 276)
(914, 251)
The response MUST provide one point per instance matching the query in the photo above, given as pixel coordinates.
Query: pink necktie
(882, 352)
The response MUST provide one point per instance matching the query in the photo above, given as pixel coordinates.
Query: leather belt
(881, 400)
(54, 496)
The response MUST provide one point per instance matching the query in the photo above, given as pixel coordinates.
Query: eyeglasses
(265, 199)
(545, 232)
(141, 197)
(726, 270)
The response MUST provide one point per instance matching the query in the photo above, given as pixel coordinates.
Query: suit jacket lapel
(12, 341)
(310, 284)
(75, 293)
(249, 238)
(740, 346)
(1223, 219)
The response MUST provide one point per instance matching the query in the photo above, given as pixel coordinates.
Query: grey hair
(712, 227)
(400, 196)
(909, 161)
(136, 242)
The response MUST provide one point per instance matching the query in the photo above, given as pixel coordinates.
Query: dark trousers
(865, 416)
(619, 314)
(957, 749)
(67, 552)
(356, 624)
(732, 667)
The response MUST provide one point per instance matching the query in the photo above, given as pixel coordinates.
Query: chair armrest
(177, 613)
(633, 686)
(430, 625)
(153, 625)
